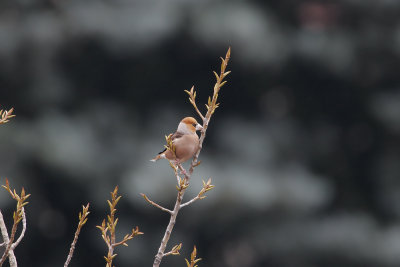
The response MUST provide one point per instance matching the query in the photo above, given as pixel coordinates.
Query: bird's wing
(174, 138)
(162, 151)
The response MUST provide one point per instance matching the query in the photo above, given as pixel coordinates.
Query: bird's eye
(194, 124)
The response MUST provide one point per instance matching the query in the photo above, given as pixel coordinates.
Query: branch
(190, 201)
(82, 221)
(174, 251)
(6, 115)
(184, 183)
(155, 204)
(108, 229)
(184, 172)
(16, 243)
(18, 216)
(206, 187)
(193, 259)
(192, 100)
(10, 253)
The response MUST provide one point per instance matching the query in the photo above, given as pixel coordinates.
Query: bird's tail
(156, 158)
(160, 155)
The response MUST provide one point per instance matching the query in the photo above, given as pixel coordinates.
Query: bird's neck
(183, 129)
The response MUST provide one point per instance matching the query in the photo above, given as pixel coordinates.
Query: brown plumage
(185, 140)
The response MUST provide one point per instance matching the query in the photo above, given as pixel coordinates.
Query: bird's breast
(186, 146)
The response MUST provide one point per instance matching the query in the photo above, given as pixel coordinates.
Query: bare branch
(192, 100)
(16, 243)
(82, 221)
(206, 187)
(174, 251)
(10, 253)
(155, 204)
(19, 215)
(190, 201)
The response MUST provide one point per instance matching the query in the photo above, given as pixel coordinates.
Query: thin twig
(19, 215)
(192, 100)
(6, 115)
(168, 253)
(72, 248)
(10, 253)
(193, 259)
(207, 186)
(190, 201)
(16, 243)
(10, 242)
(174, 251)
(82, 221)
(108, 229)
(155, 204)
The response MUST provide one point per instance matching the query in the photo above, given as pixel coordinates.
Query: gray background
(304, 150)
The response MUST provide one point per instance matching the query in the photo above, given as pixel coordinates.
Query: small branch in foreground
(18, 216)
(82, 220)
(21, 236)
(108, 229)
(193, 259)
(4, 233)
(6, 115)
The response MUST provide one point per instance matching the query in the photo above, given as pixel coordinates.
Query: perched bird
(185, 140)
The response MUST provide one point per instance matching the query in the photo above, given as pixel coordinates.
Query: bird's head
(189, 125)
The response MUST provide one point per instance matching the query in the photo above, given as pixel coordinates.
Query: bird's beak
(199, 127)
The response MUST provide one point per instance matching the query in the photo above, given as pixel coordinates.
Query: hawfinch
(185, 140)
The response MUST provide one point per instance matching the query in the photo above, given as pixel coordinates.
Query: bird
(185, 140)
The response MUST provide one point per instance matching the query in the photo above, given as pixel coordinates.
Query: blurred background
(304, 150)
